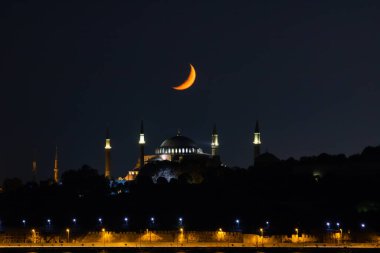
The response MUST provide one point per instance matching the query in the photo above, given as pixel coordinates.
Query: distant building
(176, 149)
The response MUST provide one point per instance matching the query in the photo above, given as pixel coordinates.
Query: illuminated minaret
(141, 144)
(214, 142)
(56, 165)
(107, 169)
(256, 141)
(34, 167)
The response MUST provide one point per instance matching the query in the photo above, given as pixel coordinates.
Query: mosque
(177, 149)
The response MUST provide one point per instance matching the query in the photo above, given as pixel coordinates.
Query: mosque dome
(178, 145)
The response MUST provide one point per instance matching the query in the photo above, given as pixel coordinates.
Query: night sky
(309, 71)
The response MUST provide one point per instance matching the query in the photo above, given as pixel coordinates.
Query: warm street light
(68, 234)
(34, 239)
(262, 236)
(296, 229)
(104, 236)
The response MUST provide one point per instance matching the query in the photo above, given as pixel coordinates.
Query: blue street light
(100, 221)
(74, 221)
(23, 222)
(237, 222)
(362, 225)
(328, 224)
(126, 221)
(338, 224)
(180, 220)
(48, 221)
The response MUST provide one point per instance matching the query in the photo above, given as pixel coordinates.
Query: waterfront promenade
(172, 245)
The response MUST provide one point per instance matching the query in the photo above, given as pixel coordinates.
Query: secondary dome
(180, 145)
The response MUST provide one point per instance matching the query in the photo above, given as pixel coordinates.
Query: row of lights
(329, 225)
(180, 222)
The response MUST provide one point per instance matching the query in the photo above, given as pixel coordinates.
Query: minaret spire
(141, 144)
(107, 169)
(34, 167)
(256, 141)
(56, 166)
(214, 142)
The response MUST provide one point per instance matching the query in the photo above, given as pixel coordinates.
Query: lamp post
(33, 235)
(237, 221)
(104, 236)
(296, 229)
(262, 236)
(341, 235)
(68, 234)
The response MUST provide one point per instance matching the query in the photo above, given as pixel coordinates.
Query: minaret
(107, 169)
(56, 165)
(214, 142)
(34, 167)
(256, 141)
(141, 144)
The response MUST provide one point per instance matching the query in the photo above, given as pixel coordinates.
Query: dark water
(201, 250)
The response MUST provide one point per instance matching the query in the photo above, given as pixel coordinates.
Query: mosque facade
(177, 150)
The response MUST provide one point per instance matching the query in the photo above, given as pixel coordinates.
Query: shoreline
(186, 246)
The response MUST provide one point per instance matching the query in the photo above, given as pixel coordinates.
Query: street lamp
(104, 236)
(23, 222)
(68, 234)
(237, 222)
(180, 220)
(74, 221)
(152, 222)
(100, 221)
(296, 229)
(34, 235)
(262, 235)
(49, 223)
(362, 225)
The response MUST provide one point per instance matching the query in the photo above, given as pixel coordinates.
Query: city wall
(180, 237)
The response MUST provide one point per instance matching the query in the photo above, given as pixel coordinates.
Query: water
(201, 250)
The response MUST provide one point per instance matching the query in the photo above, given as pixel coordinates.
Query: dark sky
(308, 70)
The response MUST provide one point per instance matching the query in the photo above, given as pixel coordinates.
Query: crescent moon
(189, 81)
